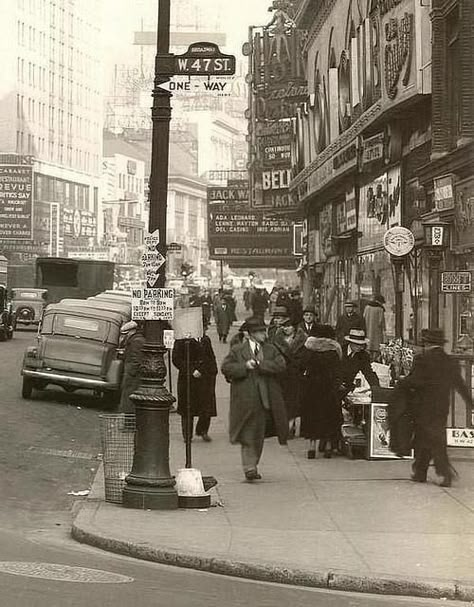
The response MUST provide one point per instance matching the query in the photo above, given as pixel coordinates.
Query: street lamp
(150, 486)
(436, 240)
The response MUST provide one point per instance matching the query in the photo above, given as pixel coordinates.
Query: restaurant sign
(16, 202)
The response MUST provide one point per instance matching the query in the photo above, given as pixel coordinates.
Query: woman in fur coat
(321, 416)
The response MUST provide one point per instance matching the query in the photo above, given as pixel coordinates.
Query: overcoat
(428, 387)
(245, 392)
(203, 389)
(292, 381)
(321, 415)
(351, 365)
(345, 323)
(223, 315)
(374, 317)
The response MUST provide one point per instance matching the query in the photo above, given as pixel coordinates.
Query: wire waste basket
(118, 445)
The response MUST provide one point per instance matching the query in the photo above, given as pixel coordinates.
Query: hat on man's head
(379, 299)
(255, 324)
(349, 302)
(309, 310)
(128, 326)
(357, 336)
(434, 337)
(281, 311)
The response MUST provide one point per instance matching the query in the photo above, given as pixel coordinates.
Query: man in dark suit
(308, 324)
(427, 388)
(257, 407)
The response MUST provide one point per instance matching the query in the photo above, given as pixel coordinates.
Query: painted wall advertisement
(16, 202)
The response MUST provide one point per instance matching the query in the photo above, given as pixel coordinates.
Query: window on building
(453, 73)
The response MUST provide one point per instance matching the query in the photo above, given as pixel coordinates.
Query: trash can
(118, 446)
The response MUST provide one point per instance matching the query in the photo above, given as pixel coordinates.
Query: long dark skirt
(321, 415)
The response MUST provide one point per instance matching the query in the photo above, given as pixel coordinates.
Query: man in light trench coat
(257, 408)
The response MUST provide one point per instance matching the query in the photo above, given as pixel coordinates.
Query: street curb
(324, 579)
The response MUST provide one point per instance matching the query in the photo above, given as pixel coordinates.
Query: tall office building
(51, 118)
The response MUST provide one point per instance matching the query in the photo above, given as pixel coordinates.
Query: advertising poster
(16, 202)
(379, 433)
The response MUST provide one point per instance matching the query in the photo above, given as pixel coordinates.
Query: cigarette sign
(16, 202)
(152, 304)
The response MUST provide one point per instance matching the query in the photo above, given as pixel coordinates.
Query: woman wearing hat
(356, 359)
(427, 391)
(321, 416)
(257, 408)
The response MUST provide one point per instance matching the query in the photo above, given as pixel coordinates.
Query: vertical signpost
(150, 485)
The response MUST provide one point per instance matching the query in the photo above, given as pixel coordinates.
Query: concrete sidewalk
(342, 524)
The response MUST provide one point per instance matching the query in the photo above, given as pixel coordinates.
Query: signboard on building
(373, 150)
(78, 223)
(460, 437)
(201, 59)
(16, 202)
(152, 304)
(444, 193)
(456, 282)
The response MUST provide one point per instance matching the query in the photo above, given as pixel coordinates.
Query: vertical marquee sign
(16, 202)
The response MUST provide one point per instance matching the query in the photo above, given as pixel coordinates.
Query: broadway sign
(16, 202)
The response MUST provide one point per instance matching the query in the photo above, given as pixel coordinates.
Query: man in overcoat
(427, 389)
(374, 317)
(132, 341)
(350, 319)
(257, 408)
(202, 393)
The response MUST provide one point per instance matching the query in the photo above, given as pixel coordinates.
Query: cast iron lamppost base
(150, 485)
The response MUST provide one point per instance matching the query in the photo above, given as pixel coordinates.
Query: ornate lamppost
(150, 485)
(436, 241)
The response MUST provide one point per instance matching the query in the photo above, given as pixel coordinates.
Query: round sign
(398, 241)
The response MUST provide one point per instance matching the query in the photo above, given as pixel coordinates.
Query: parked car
(121, 307)
(77, 348)
(6, 315)
(28, 305)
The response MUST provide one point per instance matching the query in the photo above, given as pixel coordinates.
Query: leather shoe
(252, 475)
(327, 454)
(312, 454)
(446, 482)
(206, 438)
(417, 479)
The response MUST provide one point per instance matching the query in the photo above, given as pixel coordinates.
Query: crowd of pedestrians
(296, 368)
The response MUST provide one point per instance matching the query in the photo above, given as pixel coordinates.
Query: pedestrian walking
(259, 302)
(350, 319)
(202, 384)
(321, 415)
(427, 389)
(257, 408)
(295, 306)
(290, 341)
(132, 341)
(374, 317)
(280, 316)
(223, 315)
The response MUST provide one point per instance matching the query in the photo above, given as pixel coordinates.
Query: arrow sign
(153, 260)
(151, 276)
(166, 86)
(152, 240)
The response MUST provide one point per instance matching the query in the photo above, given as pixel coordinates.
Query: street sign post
(201, 59)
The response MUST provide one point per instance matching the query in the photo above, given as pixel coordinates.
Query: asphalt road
(49, 447)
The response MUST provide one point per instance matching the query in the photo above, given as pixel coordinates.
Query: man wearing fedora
(309, 324)
(427, 390)
(356, 358)
(257, 407)
(350, 319)
(279, 317)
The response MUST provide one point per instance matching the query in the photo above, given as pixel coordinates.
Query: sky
(122, 17)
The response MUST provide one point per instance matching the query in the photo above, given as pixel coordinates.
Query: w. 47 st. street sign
(201, 59)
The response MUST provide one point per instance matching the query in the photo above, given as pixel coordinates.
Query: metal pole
(434, 266)
(222, 273)
(189, 419)
(398, 270)
(150, 485)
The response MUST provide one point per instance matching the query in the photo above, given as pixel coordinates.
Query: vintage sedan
(28, 305)
(77, 348)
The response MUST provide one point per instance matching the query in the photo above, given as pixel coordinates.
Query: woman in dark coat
(203, 372)
(290, 341)
(321, 416)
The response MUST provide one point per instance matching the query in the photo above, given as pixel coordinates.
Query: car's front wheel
(27, 387)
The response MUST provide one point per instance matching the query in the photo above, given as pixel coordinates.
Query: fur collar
(323, 344)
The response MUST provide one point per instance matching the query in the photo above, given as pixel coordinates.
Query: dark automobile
(28, 305)
(77, 348)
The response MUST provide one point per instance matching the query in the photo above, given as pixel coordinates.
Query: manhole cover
(63, 573)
